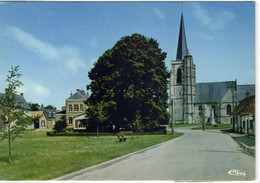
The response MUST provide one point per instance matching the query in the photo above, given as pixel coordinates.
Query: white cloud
(159, 13)
(68, 55)
(214, 21)
(34, 91)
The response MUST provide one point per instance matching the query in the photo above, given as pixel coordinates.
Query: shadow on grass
(4, 159)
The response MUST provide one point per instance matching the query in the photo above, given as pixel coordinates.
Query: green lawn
(39, 157)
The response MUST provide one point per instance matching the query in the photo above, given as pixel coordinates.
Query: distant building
(76, 109)
(46, 118)
(20, 101)
(244, 116)
(192, 102)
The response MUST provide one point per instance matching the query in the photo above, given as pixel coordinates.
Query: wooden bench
(121, 138)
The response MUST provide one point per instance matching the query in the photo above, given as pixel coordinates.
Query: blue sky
(56, 43)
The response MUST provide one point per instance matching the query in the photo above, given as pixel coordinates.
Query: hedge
(77, 133)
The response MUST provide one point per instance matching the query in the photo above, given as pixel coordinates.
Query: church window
(200, 110)
(228, 109)
(179, 76)
(214, 110)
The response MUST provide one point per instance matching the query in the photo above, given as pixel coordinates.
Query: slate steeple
(182, 49)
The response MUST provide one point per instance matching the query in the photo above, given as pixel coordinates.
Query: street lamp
(200, 114)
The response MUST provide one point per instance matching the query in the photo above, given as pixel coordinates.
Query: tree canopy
(34, 106)
(130, 80)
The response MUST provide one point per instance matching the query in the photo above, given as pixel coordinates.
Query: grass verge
(39, 157)
(184, 125)
(219, 126)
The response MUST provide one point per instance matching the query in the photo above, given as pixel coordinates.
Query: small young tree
(12, 117)
(137, 124)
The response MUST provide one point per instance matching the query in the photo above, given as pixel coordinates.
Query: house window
(42, 123)
(251, 124)
(179, 76)
(70, 107)
(70, 120)
(76, 107)
(228, 109)
(243, 124)
(81, 107)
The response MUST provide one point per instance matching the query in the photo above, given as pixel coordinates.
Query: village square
(135, 119)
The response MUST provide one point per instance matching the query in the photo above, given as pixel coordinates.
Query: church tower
(182, 82)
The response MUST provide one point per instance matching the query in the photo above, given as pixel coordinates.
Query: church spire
(182, 49)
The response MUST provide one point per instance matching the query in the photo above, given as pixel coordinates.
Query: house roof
(212, 92)
(61, 112)
(246, 106)
(19, 100)
(244, 90)
(83, 115)
(37, 113)
(79, 94)
(50, 113)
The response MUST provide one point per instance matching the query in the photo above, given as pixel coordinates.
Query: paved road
(197, 155)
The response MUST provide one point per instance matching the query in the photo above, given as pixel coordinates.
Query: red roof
(246, 106)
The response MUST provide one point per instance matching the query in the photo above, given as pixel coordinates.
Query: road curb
(106, 163)
(247, 149)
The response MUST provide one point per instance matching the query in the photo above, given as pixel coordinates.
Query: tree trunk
(9, 143)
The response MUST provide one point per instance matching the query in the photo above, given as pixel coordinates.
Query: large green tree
(130, 79)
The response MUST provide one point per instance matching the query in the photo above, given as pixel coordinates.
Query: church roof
(212, 92)
(244, 90)
(182, 49)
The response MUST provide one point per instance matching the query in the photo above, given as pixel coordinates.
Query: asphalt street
(196, 156)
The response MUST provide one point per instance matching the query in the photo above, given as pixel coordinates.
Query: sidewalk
(246, 142)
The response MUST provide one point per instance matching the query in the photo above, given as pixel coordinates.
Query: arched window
(200, 110)
(228, 109)
(42, 123)
(214, 110)
(70, 120)
(179, 76)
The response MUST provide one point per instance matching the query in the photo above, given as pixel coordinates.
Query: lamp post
(201, 116)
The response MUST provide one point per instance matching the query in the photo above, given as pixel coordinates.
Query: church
(200, 103)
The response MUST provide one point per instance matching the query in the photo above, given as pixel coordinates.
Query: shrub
(60, 125)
